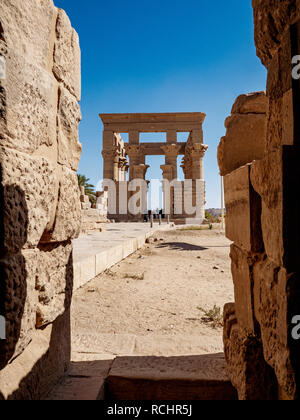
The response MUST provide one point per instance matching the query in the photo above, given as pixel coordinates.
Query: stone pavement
(97, 252)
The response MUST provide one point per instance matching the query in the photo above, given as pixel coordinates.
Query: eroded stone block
(69, 116)
(27, 193)
(271, 19)
(247, 369)
(266, 178)
(54, 282)
(243, 206)
(27, 28)
(68, 214)
(271, 302)
(17, 303)
(67, 55)
(244, 142)
(241, 267)
(252, 103)
(28, 103)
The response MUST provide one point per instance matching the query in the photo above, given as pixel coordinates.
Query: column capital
(171, 149)
(167, 169)
(198, 150)
(135, 150)
(112, 151)
(140, 171)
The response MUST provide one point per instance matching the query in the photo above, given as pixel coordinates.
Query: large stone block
(267, 180)
(18, 301)
(271, 304)
(245, 141)
(281, 122)
(69, 116)
(54, 282)
(68, 214)
(27, 193)
(38, 369)
(28, 103)
(271, 19)
(27, 28)
(248, 371)
(241, 267)
(252, 103)
(67, 55)
(276, 179)
(243, 211)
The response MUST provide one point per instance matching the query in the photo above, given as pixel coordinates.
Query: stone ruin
(259, 158)
(177, 198)
(40, 86)
(94, 219)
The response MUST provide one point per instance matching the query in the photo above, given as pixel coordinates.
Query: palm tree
(83, 181)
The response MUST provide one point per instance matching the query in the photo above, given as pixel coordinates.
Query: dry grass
(213, 316)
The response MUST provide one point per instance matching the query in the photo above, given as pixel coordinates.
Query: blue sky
(163, 56)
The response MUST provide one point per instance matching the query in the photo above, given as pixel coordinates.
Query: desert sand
(153, 302)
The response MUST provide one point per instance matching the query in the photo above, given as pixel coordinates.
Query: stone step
(169, 378)
(85, 380)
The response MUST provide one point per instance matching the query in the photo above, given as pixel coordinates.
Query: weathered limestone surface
(54, 282)
(28, 189)
(67, 57)
(253, 103)
(263, 208)
(18, 300)
(271, 20)
(243, 206)
(39, 198)
(68, 213)
(245, 138)
(247, 369)
(28, 28)
(28, 109)
(69, 116)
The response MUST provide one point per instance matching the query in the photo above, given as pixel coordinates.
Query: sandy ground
(158, 291)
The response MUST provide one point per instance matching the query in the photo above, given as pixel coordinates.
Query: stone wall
(262, 179)
(40, 86)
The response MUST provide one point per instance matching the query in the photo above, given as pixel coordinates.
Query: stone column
(171, 153)
(109, 170)
(140, 171)
(168, 199)
(197, 153)
(108, 154)
(123, 168)
(136, 157)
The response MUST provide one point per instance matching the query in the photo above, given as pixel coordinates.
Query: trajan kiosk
(184, 200)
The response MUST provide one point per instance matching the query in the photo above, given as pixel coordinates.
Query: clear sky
(163, 56)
